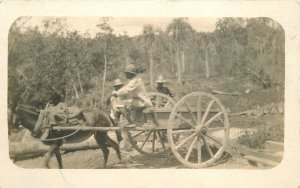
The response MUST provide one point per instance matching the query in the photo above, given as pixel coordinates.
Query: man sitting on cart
(161, 88)
(115, 114)
(135, 89)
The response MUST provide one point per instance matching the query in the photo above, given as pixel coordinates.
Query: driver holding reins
(136, 92)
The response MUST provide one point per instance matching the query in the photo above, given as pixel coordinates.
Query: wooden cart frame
(184, 128)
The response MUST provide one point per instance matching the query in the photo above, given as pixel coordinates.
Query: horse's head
(26, 116)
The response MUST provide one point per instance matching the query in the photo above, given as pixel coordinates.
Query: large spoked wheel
(198, 130)
(150, 139)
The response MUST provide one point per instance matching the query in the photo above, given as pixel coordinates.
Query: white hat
(130, 68)
(118, 82)
(160, 79)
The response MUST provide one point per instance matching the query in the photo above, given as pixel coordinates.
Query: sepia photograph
(146, 92)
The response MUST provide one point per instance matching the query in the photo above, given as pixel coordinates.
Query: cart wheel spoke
(190, 149)
(153, 141)
(207, 147)
(207, 111)
(199, 110)
(212, 119)
(185, 140)
(190, 111)
(199, 150)
(185, 120)
(167, 105)
(213, 139)
(138, 134)
(146, 139)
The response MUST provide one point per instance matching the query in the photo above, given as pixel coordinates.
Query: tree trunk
(74, 86)
(182, 62)
(178, 68)
(178, 64)
(151, 66)
(104, 78)
(75, 90)
(79, 80)
(206, 64)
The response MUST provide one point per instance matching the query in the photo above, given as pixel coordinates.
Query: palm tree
(180, 30)
(207, 43)
(149, 39)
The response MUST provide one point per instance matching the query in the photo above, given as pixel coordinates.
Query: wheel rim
(152, 142)
(193, 141)
(148, 142)
(161, 101)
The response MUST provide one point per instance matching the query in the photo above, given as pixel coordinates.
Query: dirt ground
(92, 159)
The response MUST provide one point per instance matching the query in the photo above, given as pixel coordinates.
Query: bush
(262, 134)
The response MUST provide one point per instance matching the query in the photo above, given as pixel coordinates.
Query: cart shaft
(88, 128)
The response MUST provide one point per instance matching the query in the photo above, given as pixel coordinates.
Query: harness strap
(59, 138)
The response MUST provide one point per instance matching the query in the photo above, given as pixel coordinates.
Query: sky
(133, 26)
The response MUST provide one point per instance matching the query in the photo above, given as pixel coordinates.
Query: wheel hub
(201, 130)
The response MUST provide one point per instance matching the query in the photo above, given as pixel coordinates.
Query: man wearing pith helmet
(115, 114)
(118, 84)
(161, 88)
(135, 88)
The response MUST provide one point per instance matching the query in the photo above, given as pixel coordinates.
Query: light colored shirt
(135, 88)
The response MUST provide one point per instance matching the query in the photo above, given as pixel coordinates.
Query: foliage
(54, 59)
(261, 135)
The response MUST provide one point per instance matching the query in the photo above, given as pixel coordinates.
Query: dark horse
(27, 117)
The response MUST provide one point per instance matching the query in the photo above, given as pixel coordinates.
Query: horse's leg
(49, 154)
(100, 139)
(113, 144)
(58, 156)
(115, 124)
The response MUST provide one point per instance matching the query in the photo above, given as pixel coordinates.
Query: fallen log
(37, 148)
(257, 112)
(225, 93)
(240, 113)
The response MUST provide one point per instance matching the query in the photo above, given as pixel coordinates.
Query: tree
(149, 39)
(231, 36)
(180, 30)
(206, 44)
(106, 34)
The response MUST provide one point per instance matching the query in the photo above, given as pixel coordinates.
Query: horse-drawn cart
(185, 127)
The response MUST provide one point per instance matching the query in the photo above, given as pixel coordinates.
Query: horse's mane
(30, 109)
